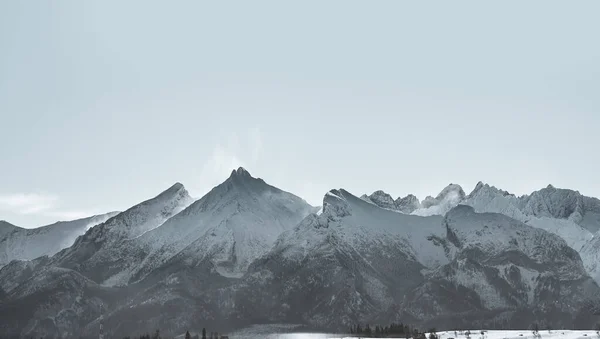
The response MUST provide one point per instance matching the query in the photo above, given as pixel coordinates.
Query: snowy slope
(277, 331)
(351, 262)
(564, 212)
(249, 252)
(361, 224)
(500, 264)
(235, 223)
(26, 244)
(590, 254)
(52, 303)
(485, 198)
(103, 246)
(408, 204)
(357, 262)
(448, 198)
(382, 199)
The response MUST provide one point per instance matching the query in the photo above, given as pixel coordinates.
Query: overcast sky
(104, 104)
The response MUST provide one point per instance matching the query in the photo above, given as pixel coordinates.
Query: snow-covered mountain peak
(408, 204)
(479, 186)
(240, 173)
(482, 189)
(177, 188)
(448, 198)
(27, 244)
(129, 224)
(240, 189)
(335, 203)
(451, 190)
(383, 200)
(556, 203)
(233, 224)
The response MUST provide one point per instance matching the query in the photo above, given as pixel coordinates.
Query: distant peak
(335, 204)
(382, 199)
(453, 189)
(480, 186)
(177, 186)
(550, 186)
(240, 172)
(176, 189)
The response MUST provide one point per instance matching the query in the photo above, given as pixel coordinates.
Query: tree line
(392, 330)
(156, 335)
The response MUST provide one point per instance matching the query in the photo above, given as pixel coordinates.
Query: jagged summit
(176, 189)
(482, 188)
(384, 200)
(408, 204)
(233, 224)
(240, 172)
(448, 198)
(27, 244)
(98, 242)
(176, 186)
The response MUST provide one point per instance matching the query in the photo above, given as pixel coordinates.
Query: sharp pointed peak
(176, 189)
(177, 186)
(240, 172)
(480, 185)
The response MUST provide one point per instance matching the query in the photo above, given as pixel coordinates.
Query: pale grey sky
(104, 104)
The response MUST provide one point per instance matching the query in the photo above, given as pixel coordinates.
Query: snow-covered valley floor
(262, 332)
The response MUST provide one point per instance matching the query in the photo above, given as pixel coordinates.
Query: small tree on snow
(536, 330)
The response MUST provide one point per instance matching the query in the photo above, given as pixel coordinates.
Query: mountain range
(248, 252)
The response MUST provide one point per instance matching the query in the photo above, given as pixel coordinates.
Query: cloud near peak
(41, 204)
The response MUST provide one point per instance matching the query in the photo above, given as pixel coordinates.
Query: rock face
(549, 203)
(330, 270)
(234, 224)
(408, 204)
(350, 263)
(103, 249)
(248, 252)
(565, 213)
(26, 244)
(383, 200)
(505, 269)
(590, 254)
(52, 303)
(448, 198)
